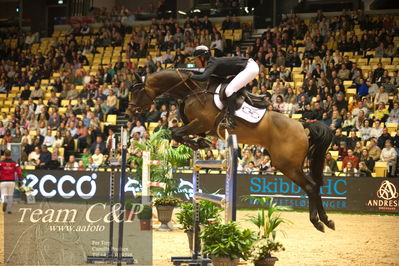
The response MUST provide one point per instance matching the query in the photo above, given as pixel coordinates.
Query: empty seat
(381, 168)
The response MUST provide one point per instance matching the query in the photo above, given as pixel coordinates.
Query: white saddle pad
(246, 112)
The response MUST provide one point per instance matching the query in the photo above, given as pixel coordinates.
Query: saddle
(244, 96)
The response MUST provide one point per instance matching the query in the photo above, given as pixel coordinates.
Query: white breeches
(243, 78)
(7, 192)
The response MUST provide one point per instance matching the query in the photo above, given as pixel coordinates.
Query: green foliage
(267, 220)
(24, 174)
(160, 150)
(166, 201)
(207, 210)
(146, 213)
(227, 240)
(129, 204)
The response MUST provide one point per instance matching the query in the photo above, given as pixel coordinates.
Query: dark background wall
(8, 9)
(35, 11)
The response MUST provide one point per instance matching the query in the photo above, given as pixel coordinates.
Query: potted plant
(226, 243)
(145, 217)
(207, 211)
(169, 158)
(165, 206)
(267, 221)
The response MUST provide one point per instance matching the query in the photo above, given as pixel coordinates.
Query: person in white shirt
(285, 74)
(394, 114)
(376, 131)
(49, 139)
(72, 164)
(365, 130)
(381, 96)
(85, 29)
(39, 107)
(97, 157)
(359, 107)
(138, 128)
(389, 155)
(217, 44)
(349, 170)
(72, 128)
(26, 138)
(58, 139)
(91, 164)
(4, 119)
(29, 39)
(34, 156)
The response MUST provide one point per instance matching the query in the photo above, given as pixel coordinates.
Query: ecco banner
(356, 194)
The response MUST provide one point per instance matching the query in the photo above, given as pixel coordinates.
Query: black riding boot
(230, 111)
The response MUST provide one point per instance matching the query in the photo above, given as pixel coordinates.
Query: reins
(194, 92)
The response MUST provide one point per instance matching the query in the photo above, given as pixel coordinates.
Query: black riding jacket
(222, 66)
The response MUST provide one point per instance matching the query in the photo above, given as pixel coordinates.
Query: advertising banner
(354, 194)
(74, 222)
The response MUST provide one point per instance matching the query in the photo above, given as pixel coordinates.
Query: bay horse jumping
(285, 139)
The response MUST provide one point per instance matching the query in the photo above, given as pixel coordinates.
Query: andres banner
(354, 194)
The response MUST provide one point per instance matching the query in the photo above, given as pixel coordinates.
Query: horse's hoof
(191, 145)
(330, 224)
(203, 143)
(319, 226)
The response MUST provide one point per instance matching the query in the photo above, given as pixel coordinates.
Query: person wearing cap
(244, 69)
(8, 170)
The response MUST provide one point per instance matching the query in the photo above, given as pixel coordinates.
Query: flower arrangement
(267, 220)
(166, 201)
(262, 248)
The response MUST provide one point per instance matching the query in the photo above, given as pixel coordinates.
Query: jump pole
(229, 201)
(110, 257)
(145, 178)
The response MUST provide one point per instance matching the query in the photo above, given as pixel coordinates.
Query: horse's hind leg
(312, 190)
(322, 213)
(315, 198)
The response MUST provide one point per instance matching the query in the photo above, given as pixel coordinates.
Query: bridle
(183, 81)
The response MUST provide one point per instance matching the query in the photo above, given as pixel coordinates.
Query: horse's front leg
(181, 134)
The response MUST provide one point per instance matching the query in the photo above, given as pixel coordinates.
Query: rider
(244, 69)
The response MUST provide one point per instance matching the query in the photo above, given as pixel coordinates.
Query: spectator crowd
(339, 70)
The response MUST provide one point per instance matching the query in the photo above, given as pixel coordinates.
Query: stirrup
(228, 123)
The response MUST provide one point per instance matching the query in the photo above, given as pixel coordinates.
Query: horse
(288, 141)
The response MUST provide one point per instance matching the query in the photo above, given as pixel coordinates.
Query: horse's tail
(320, 139)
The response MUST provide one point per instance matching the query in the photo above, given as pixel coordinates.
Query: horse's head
(140, 98)
(155, 85)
